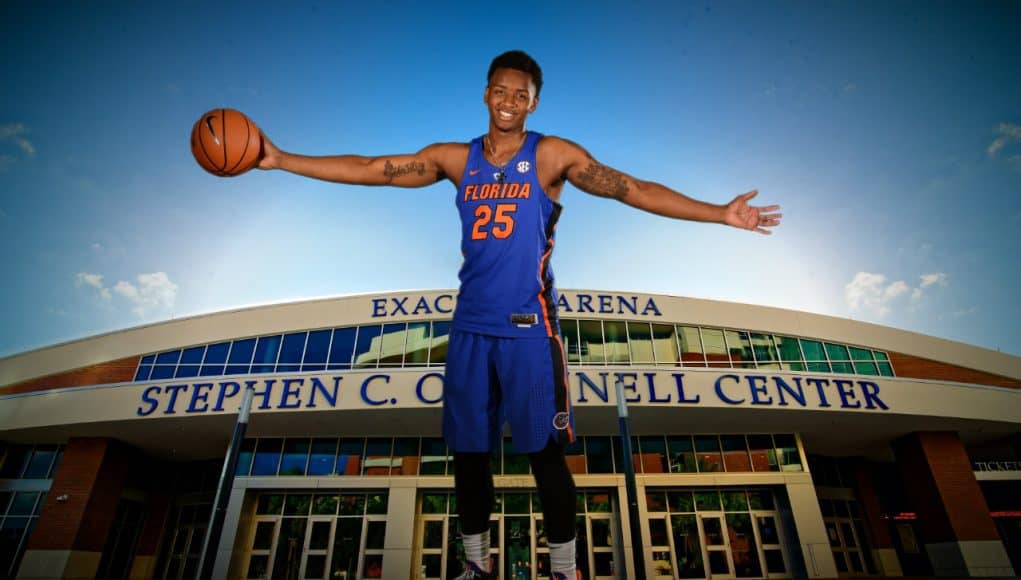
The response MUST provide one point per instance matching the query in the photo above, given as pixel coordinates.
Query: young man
(505, 360)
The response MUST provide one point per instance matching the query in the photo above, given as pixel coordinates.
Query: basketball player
(505, 359)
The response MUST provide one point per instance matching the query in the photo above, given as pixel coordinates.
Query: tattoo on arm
(391, 171)
(603, 181)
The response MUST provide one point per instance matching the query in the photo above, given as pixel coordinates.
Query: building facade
(767, 443)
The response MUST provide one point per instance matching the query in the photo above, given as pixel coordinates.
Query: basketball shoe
(473, 572)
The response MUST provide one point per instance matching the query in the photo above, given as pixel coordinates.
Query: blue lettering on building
(398, 305)
(315, 392)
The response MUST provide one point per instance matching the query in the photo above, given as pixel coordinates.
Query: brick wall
(92, 473)
(920, 368)
(117, 371)
(942, 488)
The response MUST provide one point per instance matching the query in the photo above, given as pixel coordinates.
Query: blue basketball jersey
(507, 231)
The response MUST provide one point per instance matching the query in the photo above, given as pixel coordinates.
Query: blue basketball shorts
(492, 380)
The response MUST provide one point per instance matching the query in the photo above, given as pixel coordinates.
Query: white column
(815, 545)
(398, 544)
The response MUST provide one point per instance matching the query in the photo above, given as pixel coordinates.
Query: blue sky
(890, 133)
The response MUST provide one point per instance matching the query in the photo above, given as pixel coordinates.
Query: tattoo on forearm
(602, 181)
(392, 171)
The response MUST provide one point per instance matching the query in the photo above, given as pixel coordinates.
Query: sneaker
(473, 572)
(560, 576)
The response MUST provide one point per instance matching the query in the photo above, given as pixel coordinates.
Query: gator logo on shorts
(561, 421)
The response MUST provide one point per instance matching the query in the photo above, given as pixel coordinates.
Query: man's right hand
(270, 156)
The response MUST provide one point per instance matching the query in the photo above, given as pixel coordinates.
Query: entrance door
(260, 559)
(602, 534)
(716, 542)
(766, 527)
(318, 541)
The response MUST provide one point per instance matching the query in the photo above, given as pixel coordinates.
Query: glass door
(260, 559)
(318, 541)
(770, 544)
(716, 543)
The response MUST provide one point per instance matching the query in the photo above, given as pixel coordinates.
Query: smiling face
(510, 97)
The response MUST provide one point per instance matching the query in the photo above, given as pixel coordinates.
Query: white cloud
(153, 291)
(869, 292)
(1008, 132)
(93, 280)
(894, 290)
(15, 132)
(97, 247)
(149, 292)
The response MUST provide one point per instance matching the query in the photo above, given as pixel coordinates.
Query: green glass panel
(687, 546)
(680, 501)
(885, 369)
(297, 504)
(434, 457)
(860, 354)
(434, 503)
(270, 504)
(682, 454)
(715, 347)
(640, 342)
(760, 499)
(866, 368)
(664, 343)
(352, 504)
(324, 505)
(515, 503)
(788, 348)
(592, 350)
(765, 350)
(740, 348)
(655, 501)
(819, 367)
(707, 501)
(440, 338)
(416, 352)
(513, 463)
(813, 350)
(837, 352)
(616, 342)
(734, 501)
(691, 346)
(842, 367)
(598, 502)
(376, 503)
(880, 355)
(569, 331)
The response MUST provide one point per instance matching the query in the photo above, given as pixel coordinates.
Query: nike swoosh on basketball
(473, 171)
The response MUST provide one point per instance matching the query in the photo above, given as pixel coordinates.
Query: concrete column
(79, 511)
(399, 542)
(815, 545)
(236, 531)
(959, 534)
(884, 553)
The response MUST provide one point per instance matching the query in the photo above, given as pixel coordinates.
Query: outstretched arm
(577, 166)
(426, 167)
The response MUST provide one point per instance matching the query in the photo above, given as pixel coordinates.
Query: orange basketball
(225, 142)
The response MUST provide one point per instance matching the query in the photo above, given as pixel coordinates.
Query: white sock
(476, 549)
(561, 559)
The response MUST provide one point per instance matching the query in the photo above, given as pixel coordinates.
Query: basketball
(225, 142)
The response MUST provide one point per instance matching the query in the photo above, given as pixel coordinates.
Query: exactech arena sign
(420, 305)
(596, 388)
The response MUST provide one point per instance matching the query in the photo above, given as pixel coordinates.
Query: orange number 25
(503, 221)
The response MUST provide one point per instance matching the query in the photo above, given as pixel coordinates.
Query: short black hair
(517, 60)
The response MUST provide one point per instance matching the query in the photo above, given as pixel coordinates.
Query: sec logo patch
(524, 166)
